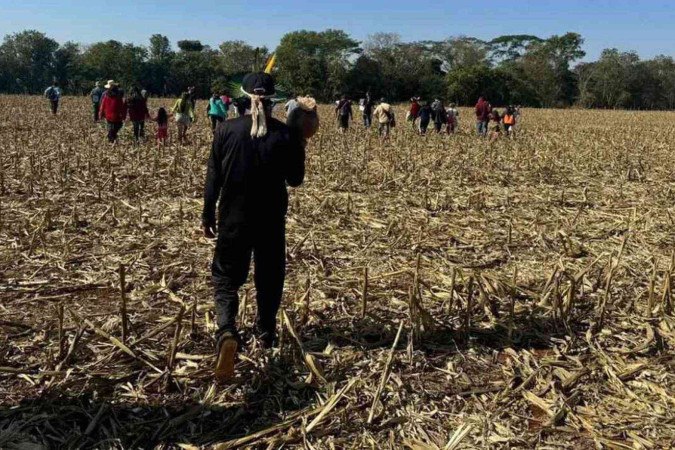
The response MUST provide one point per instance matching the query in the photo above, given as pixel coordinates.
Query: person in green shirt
(185, 114)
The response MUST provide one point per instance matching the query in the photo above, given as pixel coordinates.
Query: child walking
(162, 133)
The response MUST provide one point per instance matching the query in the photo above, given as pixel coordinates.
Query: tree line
(517, 69)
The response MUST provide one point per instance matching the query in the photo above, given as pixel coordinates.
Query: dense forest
(521, 69)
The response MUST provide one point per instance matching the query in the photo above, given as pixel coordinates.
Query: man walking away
(95, 96)
(425, 117)
(252, 159)
(367, 111)
(482, 116)
(53, 94)
(137, 107)
(414, 112)
(113, 110)
(344, 114)
(440, 116)
(384, 116)
(453, 118)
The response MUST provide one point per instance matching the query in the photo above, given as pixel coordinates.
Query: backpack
(392, 118)
(344, 109)
(50, 93)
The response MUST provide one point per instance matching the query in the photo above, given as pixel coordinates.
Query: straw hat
(110, 84)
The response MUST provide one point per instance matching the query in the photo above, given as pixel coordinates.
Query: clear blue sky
(646, 26)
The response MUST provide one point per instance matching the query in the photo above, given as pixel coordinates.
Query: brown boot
(225, 358)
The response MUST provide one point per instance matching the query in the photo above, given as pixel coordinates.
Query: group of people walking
(112, 104)
(421, 115)
(381, 112)
(444, 119)
(489, 121)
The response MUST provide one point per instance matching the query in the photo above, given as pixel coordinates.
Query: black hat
(260, 83)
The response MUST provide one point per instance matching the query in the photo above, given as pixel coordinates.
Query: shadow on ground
(59, 420)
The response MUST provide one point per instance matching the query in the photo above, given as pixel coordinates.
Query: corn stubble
(442, 292)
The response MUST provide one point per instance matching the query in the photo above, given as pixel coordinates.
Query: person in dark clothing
(95, 96)
(440, 116)
(367, 111)
(482, 110)
(343, 112)
(425, 117)
(252, 160)
(53, 93)
(137, 107)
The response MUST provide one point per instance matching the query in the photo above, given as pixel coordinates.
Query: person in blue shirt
(53, 93)
(96, 96)
(217, 110)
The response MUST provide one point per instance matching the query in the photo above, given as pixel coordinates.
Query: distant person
(53, 94)
(95, 96)
(496, 120)
(216, 110)
(137, 107)
(384, 115)
(107, 86)
(367, 111)
(453, 118)
(184, 115)
(253, 159)
(509, 121)
(193, 97)
(344, 114)
(113, 110)
(482, 111)
(162, 133)
(414, 112)
(425, 114)
(439, 115)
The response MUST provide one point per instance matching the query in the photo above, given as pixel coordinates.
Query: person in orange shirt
(509, 121)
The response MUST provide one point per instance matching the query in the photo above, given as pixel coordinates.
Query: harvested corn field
(442, 292)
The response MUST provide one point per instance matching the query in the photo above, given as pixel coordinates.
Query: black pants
(96, 108)
(215, 120)
(438, 126)
(54, 104)
(139, 129)
(230, 267)
(424, 124)
(113, 129)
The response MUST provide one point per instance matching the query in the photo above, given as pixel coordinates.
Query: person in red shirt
(414, 113)
(482, 116)
(137, 106)
(113, 110)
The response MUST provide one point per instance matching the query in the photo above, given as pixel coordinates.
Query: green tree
(194, 68)
(68, 68)
(239, 57)
(125, 63)
(190, 45)
(511, 47)
(27, 61)
(315, 63)
(158, 65)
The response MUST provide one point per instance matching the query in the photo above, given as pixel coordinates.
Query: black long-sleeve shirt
(249, 175)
